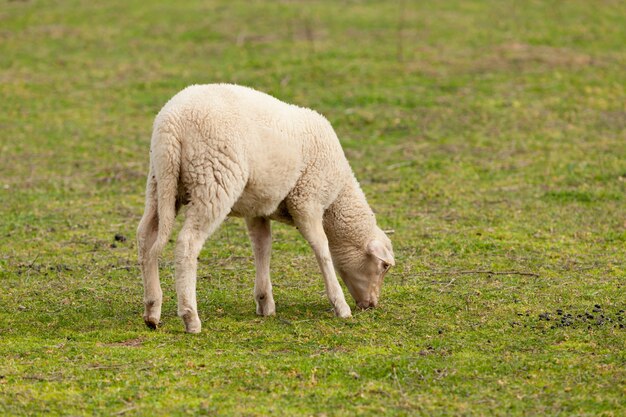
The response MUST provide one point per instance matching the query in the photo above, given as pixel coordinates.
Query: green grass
(491, 136)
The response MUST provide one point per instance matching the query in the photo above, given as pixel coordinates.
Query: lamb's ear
(378, 249)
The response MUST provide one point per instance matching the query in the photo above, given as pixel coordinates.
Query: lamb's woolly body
(242, 137)
(230, 150)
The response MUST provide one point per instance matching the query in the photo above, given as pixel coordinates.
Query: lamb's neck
(349, 219)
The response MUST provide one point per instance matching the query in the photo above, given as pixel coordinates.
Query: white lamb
(227, 150)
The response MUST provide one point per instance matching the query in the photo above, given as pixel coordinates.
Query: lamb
(228, 150)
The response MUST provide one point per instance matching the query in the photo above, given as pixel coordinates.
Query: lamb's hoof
(151, 322)
(343, 311)
(193, 329)
(192, 322)
(266, 307)
(152, 313)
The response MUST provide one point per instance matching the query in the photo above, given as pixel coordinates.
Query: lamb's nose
(367, 304)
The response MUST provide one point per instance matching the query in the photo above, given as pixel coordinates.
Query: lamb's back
(281, 148)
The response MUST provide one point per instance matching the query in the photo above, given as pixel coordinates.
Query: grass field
(489, 135)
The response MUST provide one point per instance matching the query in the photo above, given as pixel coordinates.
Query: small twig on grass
(285, 321)
(32, 263)
(448, 284)
(98, 366)
(124, 410)
(125, 268)
(395, 378)
(35, 377)
(481, 271)
(43, 378)
(400, 165)
(529, 274)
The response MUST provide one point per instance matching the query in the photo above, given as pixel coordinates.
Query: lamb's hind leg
(196, 229)
(207, 210)
(260, 233)
(146, 236)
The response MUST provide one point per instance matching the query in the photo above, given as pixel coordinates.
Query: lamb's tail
(165, 160)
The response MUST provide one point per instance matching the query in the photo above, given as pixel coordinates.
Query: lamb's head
(363, 268)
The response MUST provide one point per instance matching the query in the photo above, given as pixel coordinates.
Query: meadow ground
(491, 136)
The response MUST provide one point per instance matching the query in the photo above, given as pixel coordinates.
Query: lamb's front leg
(260, 233)
(313, 231)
